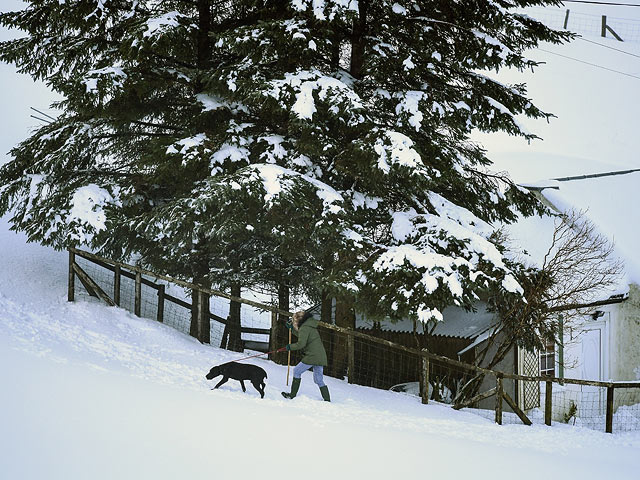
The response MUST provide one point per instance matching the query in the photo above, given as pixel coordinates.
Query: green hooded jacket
(310, 343)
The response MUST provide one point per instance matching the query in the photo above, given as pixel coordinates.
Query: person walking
(305, 327)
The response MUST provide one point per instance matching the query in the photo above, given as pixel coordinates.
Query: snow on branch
(87, 214)
(276, 179)
(159, 25)
(396, 149)
(325, 9)
(297, 91)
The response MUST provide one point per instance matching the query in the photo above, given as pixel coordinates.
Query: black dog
(240, 372)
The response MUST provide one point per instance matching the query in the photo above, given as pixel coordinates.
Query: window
(548, 360)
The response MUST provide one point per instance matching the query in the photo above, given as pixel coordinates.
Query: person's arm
(303, 337)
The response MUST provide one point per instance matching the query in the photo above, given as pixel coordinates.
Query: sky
(18, 92)
(596, 109)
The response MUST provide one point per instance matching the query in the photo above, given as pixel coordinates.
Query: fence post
(351, 358)
(71, 287)
(160, 314)
(137, 308)
(117, 275)
(566, 19)
(547, 402)
(272, 335)
(606, 27)
(499, 392)
(425, 380)
(609, 422)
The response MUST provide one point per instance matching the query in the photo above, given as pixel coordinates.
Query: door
(592, 366)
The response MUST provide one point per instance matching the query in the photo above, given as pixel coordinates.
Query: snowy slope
(91, 391)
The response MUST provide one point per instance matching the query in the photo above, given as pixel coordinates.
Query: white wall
(625, 339)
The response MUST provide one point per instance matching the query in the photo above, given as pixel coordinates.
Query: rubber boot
(325, 393)
(295, 385)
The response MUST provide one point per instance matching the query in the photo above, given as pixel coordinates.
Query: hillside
(94, 392)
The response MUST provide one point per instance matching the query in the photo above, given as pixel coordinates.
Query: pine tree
(314, 144)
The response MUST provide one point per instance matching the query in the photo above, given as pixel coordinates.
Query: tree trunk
(234, 325)
(335, 54)
(200, 327)
(345, 318)
(358, 39)
(326, 304)
(204, 27)
(200, 324)
(328, 336)
(282, 333)
(416, 337)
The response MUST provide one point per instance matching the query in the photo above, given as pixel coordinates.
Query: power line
(591, 64)
(42, 113)
(603, 3)
(610, 48)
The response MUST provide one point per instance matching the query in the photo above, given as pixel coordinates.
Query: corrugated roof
(457, 322)
(461, 323)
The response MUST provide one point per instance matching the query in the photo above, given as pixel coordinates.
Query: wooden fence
(138, 274)
(352, 341)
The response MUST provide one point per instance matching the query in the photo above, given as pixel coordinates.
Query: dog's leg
(224, 380)
(244, 389)
(259, 387)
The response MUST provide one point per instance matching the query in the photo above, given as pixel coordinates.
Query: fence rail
(368, 360)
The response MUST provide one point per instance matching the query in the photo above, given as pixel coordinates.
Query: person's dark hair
(307, 315)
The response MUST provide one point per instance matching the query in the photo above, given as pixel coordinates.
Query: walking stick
(288, 358)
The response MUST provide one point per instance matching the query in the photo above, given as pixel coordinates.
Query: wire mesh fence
(447, 381)
(586, 406)
(626, 407)
(628, 30)
(362, 361)
(580, 405)
(170, 303)
(367, 360)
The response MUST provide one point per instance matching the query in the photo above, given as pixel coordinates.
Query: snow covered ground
(90, 391)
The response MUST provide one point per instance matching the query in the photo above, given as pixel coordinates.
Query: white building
(604, 343)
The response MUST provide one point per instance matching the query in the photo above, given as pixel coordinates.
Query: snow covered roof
(607, 199)
(610, 200)
(457, 322)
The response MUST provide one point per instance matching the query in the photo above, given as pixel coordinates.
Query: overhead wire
(590, 64)
(613, 4)
(566, 56)
(609, 47)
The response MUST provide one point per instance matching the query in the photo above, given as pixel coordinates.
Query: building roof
(457, 322)
(610, 200)
(461, 323)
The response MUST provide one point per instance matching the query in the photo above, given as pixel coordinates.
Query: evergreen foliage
(324, 144)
